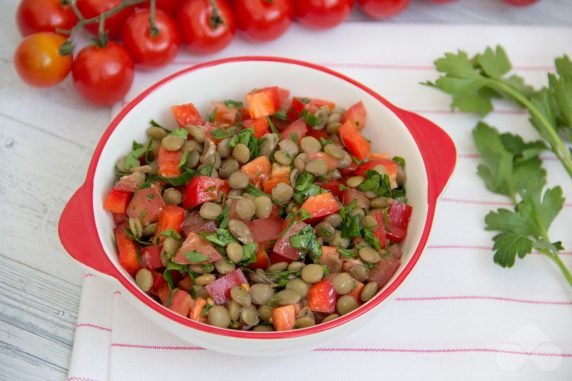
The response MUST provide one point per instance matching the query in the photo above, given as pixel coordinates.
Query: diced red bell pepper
(332, 186)
(356, 291)
(146, 205)
(224, 114)
(390, 166)
(354, 141)
(259, 125)
(171, 218)
(279, 174)
(379, 231)
(219, 290)
(186, 283)
(262, 259)
(284, 318)
(202, 189)
(117, 201)
(151, 257)
(295, 109)
(322, 297)
(297, 129)
(318, 134)
(283, 96)
(168, 162)
(158, 282)
(351, 194)
(186, 114)
(195, 242)
(316, 104)
(119, 218)
(263, 102)
(320, 206)
(265, 229)
(127, 250)
(283, 245)
(312, 105)
(356, 114)
(386, 267)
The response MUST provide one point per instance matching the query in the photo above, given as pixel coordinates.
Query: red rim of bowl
(141, 296)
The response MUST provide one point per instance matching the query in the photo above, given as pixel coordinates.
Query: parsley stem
(556, 259)
(548, 132)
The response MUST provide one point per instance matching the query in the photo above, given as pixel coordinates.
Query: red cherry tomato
(206, 29)
(169, 6)
(322, 14)
(382, 9)
(113, 24)
(263, 20)
(146, 48)
(520, 3)
(103, 75)
(35, 16)
(441, 1)
(38, 61)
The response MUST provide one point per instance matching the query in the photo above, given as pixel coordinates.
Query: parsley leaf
(195, 257)
(280, 115)
(312, 120)
(222, 133)
(132, 158)
(248, 254)
(182, 179)
(350, 223)
(233, 104)
(246, 137)
(347, 253)
(221, 237)
(181, 132)
(377, 183)
(251, 189)
(224, 217)
(306, 241)
(305, 187)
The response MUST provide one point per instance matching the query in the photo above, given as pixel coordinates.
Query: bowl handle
(437, 147)
(78, 237)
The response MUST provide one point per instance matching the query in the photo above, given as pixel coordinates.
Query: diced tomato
(315, 104)
(195, 242)
(119, 218)
(263, 102)
(151, 257)
(379, 231)
(296, 129)
(168, 162)
(283, 245)
(171, 218)
(351, 194)
(332, 186)
(399, 214)
(158, 282)
(181, 302)
(265, 229)
(276, 258)
(386, 267)
(202, 189)
(356, 291)
(320, 206)
(354, 141)
(224, 114)
(331, 259)
(322, 297)
(146, 205)
(284, 318)
(330, 160)
(283, 96)
(257, 170)
(259, 125)
(186, 283)
(127, 251)
(311, 105)
(318, 134)
(219, 290)
(117, 201)
(163, 293)
(349, 171)
(186, 114)
(279, 174)
(262, 259)
(356, 114)
(193, 222)
(129, 183)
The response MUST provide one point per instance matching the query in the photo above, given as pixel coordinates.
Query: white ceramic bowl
(86, 230)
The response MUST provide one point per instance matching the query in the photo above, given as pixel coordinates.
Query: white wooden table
(46, 140)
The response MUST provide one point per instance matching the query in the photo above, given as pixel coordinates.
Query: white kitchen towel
(458, 315)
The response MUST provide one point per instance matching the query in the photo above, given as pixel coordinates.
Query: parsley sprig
(473, 82)
(511, 167)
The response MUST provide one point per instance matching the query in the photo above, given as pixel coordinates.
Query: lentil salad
(271, 214)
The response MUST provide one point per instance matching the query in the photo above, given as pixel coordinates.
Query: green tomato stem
(558, 146)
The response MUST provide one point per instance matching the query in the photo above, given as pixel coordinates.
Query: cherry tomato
(103, 75)
(144, 47)
(382, 9)
(263, 20)
(441, 1)
(169, 6)
(38, 61)
(35, 16)
(113, 24)
(206, 29)
(322, 14)
(520, 3)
